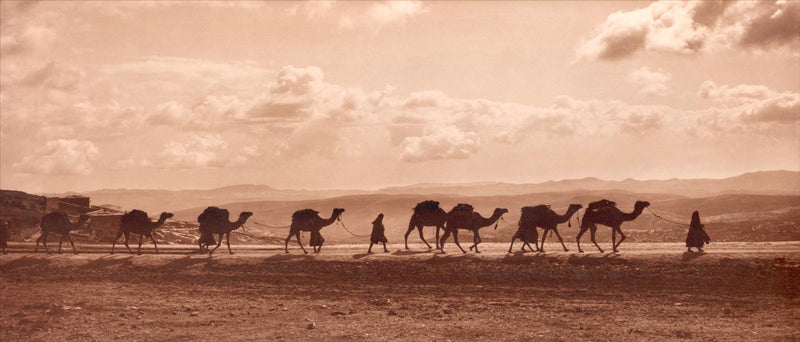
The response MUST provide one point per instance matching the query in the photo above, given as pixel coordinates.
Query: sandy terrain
(734, 292)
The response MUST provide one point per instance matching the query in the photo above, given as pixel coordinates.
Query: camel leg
(139, 251)
(614, 240)
(228, 242)
(114, 244)
(154, 241)
(42, 237)
(384, 247)
(561, 240)
(408, 232)
(476, 239)
(286, 243)
(512, 244)
(72, 243)
(455, 238)
(369, 251)
(593, 231)
(128, 235)
(437, 236)
(61, 240)
(621, 238)
(444, 238)
(421, 236)
(544, 236)
(578, 238)
(219, 243)
(300, 243)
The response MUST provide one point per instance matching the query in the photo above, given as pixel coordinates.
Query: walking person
(378, 234)
(697, 236)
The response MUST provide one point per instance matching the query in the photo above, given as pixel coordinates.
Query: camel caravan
(215, 221)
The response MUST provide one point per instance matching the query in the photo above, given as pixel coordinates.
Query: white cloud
(439, 142)
(381, 14)
(61, 157)
(687, 27)
(198, 151)
(650, 82)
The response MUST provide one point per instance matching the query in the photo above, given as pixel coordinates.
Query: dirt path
(736, 291)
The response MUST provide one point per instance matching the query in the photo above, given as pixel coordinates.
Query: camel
(215, 221)
(58, 222)
(308, 220)
(137, 222)
(426, 213)
(462, 217)
(542, 216)
(608, 215)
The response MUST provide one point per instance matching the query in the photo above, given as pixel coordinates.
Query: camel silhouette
(608, 215)
(462, 217)
(137, 222)
(308, 220)
(214, 220)
(541, 216)
(58, 222)
(426, 213)
(5, 235)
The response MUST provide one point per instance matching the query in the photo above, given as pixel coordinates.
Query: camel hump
(463, 208)
(603, 203)
(535, 210)
(135, 215)
(426, 206)
(305, 214)
(213, 216)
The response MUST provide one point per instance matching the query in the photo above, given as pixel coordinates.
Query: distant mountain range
(756, 183)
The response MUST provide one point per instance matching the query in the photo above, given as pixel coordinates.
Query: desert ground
(648, 291)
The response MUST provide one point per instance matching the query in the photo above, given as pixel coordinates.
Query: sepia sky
(360, 95)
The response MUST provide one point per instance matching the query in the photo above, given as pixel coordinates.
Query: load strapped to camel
(462, 210)
(597, 205)
(529, 214)
(134, 216)
(426, 206)
(304, 215)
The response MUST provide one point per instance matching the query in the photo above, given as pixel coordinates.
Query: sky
(362, 95)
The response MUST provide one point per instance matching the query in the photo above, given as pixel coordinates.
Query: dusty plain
(649, 291)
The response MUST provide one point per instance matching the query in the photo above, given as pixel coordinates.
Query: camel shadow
(185, 262)
(26, 261)
(110, 261)
(689, 256)
(593, 259)
(520, 257)
(448, 258)
(401, 252)
(289, 257)
(361, 255)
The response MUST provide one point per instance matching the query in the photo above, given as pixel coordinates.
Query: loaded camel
(606, 213)
(426, 213)
(214, 220)
(137, 222)
(308, 220)
(57, 222)
(541, 216)
(462, 217)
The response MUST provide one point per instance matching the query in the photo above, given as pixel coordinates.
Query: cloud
(687, 27)
(312, 9)
(754, 103)
(650, 82)
(772, 24)
(52, 76)
(440, 142)
(198, 151)
(61, 157)
(381, 14)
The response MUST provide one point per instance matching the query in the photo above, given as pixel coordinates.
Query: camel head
(245, 215)
(165, 215)
(641, 204)
(337, 212)
(575, 207)
(500, 211)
